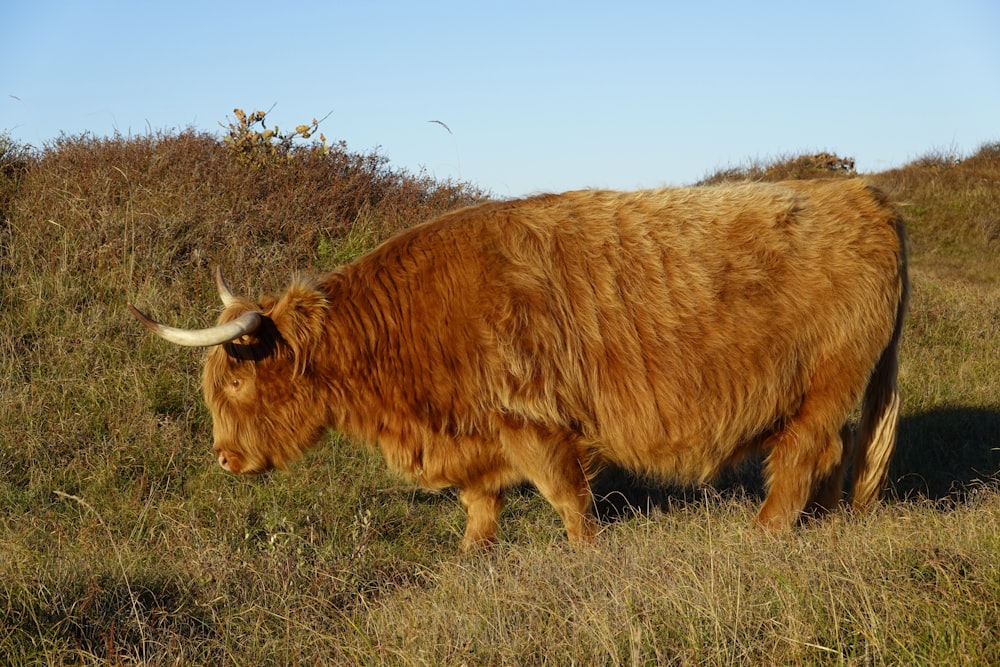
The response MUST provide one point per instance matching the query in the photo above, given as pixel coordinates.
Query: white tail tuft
(880, 410)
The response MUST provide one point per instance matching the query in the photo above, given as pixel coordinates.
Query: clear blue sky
(539, 95)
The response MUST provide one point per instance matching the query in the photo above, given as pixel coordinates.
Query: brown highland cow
(669, 331)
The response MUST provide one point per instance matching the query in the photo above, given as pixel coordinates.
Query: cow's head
(259, 380)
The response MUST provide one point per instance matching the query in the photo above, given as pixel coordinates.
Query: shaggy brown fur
(667, 331)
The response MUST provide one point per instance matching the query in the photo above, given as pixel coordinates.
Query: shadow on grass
(619, 494)
(941, 455)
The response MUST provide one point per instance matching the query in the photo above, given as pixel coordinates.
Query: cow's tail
(880, 409)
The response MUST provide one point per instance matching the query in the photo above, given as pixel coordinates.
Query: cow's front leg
(553, 463)
(482, 507)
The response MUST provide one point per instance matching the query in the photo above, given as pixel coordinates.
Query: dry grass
(715, 592)
(124, 543)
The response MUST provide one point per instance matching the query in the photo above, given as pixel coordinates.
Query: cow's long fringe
(880, 412)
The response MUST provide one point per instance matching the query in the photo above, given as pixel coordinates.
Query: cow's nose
(224, 461)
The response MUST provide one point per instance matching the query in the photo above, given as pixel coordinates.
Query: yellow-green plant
(251, 141)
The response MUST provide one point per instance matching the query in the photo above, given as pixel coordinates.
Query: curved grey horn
(225, 293)
(222, 333)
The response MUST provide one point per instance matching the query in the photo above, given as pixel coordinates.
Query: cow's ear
(300, 318)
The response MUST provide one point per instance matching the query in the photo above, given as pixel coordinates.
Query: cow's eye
(236, 384)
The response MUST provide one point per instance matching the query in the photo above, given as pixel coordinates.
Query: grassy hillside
(122, 541)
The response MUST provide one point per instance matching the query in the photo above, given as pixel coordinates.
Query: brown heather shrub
(817, 165)
(14, 162)
(179, 200)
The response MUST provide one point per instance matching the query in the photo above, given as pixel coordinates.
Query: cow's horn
(225, 293)
(222, 333)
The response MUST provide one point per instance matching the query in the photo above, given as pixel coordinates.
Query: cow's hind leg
(553, 464)
(806, 455)
(829, 491)
(799, 462)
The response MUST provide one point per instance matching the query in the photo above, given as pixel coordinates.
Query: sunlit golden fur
(667, 331)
